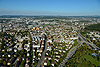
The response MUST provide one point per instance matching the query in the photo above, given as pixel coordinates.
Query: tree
(93, 65)
(4, 62)
(11, 65)
(1, 61)
(79, 39)
(48, 62)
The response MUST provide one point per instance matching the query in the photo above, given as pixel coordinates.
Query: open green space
(91, 59)
(82, 65)
(83, 58)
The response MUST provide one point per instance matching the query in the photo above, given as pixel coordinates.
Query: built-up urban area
(42, 41)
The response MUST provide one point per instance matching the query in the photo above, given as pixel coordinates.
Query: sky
(50, 7)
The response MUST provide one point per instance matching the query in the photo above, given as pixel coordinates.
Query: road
(41, 61)
(31, 60)
(74, 49)
(84, 40)
(69, 55)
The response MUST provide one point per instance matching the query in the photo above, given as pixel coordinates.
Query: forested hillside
(93, 27)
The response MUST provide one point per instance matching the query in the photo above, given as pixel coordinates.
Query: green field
(82, 65)
(83, 58)
(88, 58)
(91, 59)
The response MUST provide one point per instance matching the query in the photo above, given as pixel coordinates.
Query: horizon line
(49, 15)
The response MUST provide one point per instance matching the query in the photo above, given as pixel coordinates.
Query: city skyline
(50, 7)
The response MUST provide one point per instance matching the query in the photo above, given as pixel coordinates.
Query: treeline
(95, 27)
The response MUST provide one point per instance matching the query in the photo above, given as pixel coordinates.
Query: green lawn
(91, 59)
(83, 65)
